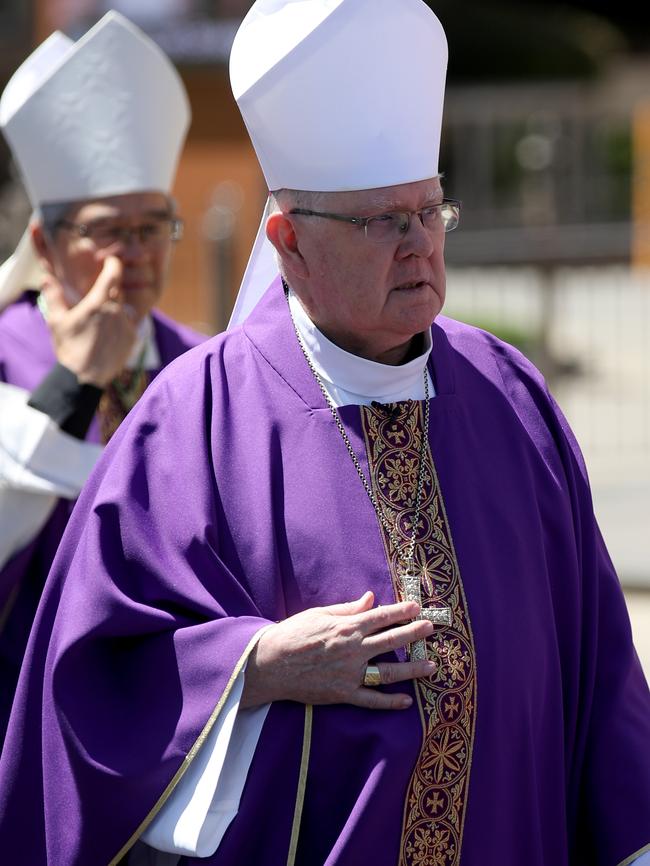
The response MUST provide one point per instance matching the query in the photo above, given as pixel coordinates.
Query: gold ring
(372, 677)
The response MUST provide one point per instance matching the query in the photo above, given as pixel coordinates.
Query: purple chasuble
(227, 501)
(26, 357)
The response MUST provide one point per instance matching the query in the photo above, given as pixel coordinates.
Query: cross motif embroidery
(437, 615)
(436, 799)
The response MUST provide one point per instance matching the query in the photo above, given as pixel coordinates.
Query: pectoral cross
(437, 615)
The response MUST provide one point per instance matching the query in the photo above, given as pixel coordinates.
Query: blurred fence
(549, 179)
(588, 328)
(544, 171)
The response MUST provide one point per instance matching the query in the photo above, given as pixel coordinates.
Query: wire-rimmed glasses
(104, 234)
(392, 226)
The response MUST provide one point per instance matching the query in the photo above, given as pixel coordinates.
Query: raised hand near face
(95, 337)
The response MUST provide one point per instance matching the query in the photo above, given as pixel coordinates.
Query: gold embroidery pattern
(118, 399)
(437, 793)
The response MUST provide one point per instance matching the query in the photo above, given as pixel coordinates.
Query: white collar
(145, 342)
(350, 379)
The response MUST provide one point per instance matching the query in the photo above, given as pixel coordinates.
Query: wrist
(94, 379)
(258, 677)
(69, 402)
(87, 372)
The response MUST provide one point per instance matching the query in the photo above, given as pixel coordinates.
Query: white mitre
(337, 95)
(106, 115)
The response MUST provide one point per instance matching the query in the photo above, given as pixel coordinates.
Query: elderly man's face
(76, 260)
(371, 298)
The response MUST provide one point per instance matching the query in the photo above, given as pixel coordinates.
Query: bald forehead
(407, 196)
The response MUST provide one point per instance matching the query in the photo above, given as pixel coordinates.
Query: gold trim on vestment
(634, 856)
(192, 752)
(436, 799)
(302, 784)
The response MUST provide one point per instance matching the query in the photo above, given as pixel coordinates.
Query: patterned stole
(436, 799)
(119, 398)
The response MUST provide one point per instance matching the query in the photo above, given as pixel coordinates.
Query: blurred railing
(597, 361)
(544, 252)
(543, 257)
(528, 159)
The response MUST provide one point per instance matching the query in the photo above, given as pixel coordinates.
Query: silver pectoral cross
(437, 615)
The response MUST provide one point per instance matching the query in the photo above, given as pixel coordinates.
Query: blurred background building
(546, 142)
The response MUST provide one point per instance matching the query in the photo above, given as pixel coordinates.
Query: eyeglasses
(103, 235)
(391, 227)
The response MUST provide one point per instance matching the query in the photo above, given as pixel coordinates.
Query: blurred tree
(632, 17)
(504, 41)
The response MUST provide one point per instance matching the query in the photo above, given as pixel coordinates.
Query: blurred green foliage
(506, 41)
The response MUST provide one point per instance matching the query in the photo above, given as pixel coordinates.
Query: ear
(281, 233)
(42, 247)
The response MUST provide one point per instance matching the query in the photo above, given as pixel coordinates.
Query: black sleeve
(69, 403)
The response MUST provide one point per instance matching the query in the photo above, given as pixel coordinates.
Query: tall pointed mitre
(337, 95)
(106, 115)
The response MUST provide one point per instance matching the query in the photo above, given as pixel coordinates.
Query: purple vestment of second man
(26, 357)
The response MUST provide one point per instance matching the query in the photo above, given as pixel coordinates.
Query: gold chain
(408, 559)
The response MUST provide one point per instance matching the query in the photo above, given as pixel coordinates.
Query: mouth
(135, 285)
(414, 285)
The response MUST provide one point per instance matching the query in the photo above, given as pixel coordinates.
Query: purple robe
(26, 357)
(226, 501)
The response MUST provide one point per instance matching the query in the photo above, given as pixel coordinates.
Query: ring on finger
(372, 677)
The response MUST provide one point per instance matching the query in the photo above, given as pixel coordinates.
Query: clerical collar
(145, 347)
(350, 379)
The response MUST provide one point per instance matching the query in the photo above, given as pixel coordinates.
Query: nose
(416, 241)
(131, 247)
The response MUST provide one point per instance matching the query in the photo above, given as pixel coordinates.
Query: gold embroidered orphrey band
(436, 798)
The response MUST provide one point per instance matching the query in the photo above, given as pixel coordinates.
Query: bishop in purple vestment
(366, 521)
(26, 360)
(79, 342)
(227, 502)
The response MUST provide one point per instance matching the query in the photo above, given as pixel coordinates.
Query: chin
(422, 318)
(142, 298)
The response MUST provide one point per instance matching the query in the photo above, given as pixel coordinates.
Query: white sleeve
(197, 814)
(22, 516)
(643, 860)
(38, 464)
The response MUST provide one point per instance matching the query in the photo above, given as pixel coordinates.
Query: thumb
(54, 296)
(107, 286)
(348, 608)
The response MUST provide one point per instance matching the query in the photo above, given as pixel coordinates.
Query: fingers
(377, 618)
(349, 608)
(372, 619)
(393, 638)
(54, 295)
(384, 628)
(108, 285)
(393, 672)
(371, 699)
(400, 672)
(388, 615)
